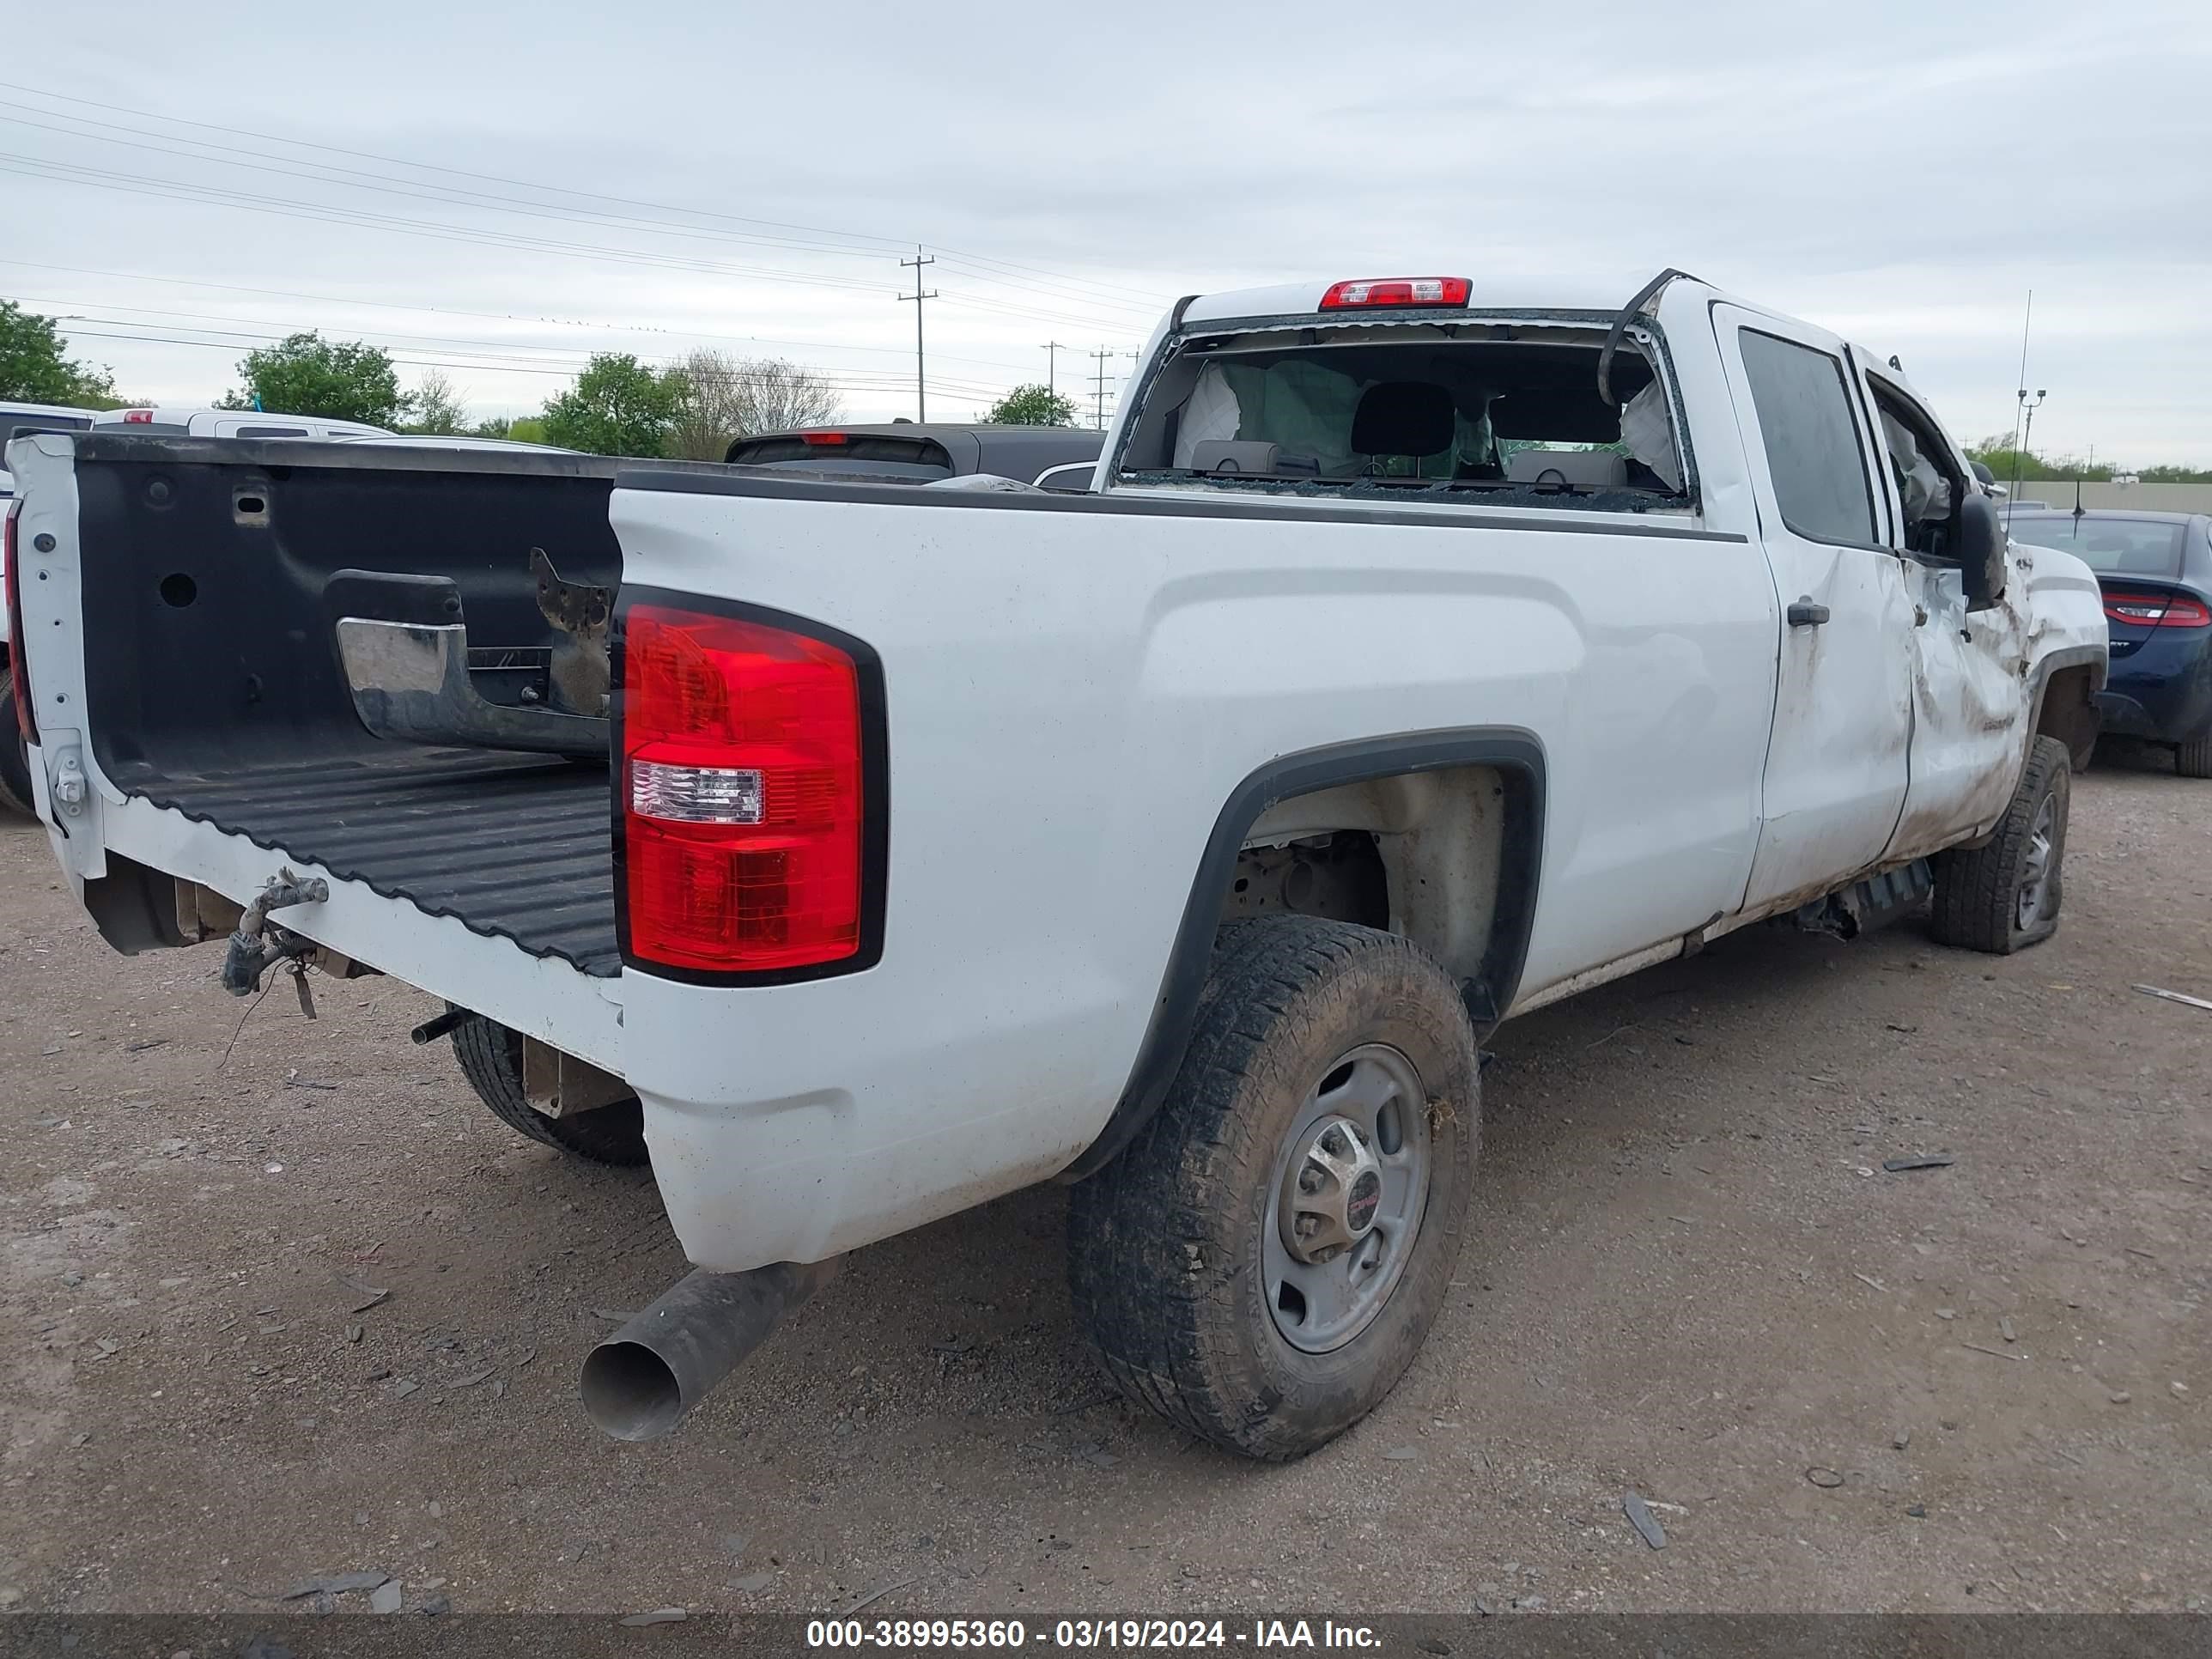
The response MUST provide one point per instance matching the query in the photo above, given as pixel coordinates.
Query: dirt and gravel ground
(1690, 1279)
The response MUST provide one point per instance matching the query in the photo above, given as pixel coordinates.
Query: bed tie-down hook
(258, 944)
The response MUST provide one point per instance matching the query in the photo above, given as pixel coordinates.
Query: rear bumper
(2162, 689)
(791, 1122)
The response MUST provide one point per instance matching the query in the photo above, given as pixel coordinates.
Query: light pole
(2027, 435)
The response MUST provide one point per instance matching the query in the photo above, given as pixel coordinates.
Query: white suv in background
(233, 423)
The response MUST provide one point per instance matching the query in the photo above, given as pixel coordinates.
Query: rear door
(1836, 758)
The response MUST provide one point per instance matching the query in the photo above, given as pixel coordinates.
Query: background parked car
(1057, 457)
(2156, 571)
(232, 423)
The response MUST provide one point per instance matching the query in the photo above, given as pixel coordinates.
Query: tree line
(691, 410)
(2007, 463)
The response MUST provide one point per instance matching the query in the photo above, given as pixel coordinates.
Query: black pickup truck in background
(1055, 457)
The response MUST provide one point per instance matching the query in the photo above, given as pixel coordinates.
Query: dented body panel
(1970, 710)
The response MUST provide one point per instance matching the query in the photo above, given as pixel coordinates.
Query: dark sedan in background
(2156, 571)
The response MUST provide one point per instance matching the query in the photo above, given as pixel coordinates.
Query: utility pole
(920, 376)
(1104, 355)
(1052, 364)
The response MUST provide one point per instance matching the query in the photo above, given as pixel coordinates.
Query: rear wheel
(2005, 895)
(2193, 759)
(1263, 1263)
(490, 1056)
(15, 760)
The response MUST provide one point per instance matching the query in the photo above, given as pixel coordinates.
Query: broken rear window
(1496, 410)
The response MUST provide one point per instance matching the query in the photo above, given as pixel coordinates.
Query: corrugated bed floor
(515, 846)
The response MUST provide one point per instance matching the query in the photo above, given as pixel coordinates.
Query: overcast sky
(657, 178)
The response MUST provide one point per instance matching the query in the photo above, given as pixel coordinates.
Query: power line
(1031, 313)
(433, 166)
(331, 213)
(1149, 301)
(236, 339)
(509, 349)
(453, 311)
(323, 174)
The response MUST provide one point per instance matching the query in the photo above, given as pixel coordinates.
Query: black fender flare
(1489, 994)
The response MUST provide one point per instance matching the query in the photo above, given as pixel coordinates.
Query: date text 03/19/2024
(1262, 1636)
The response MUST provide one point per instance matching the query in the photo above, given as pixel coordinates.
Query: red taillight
(745, 813)
(137, 416)
(2157, 611)
(24, 722)
(823, 438)
(1396, 291)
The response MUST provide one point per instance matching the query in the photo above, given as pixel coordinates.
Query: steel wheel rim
(1372, 1094)
(2035, 866)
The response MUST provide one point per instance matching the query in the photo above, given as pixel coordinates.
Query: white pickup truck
(1423, 655)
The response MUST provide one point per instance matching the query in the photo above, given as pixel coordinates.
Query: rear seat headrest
(1402, 417)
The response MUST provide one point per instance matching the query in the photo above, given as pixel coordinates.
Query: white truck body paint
(1074, 692)
(1165, 660)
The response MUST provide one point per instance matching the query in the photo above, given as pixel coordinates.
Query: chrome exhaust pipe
(639, 1382)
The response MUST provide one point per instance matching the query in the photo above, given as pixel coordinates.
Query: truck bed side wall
(1075, 689)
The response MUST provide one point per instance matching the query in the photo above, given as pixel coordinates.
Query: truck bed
(216, 691)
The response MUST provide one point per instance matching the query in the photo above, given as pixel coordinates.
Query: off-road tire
(1977, 889)
(15, 760)
(1166, 1243)
(490, 1056)
(2193, 759)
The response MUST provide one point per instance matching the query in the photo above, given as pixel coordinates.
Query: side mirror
(1981, 550)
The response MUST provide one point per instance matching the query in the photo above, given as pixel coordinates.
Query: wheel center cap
(1333, 1193)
